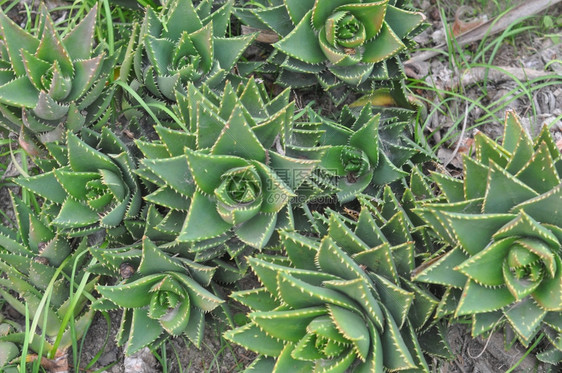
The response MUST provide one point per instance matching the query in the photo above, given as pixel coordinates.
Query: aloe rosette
(224, 178)
(161, 296)
(352, 42)
(50, 84)
(339, 304)
(181, 44)
(365, 150)
(504, 221)
(92, 186)
(33, 258)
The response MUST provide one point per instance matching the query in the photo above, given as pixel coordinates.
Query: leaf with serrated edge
(253, 338)
(287, 325)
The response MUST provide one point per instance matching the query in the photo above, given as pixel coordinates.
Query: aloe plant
(351, 42)
(365, 149)
(181, 44)
(9, 351)
(227, 177)
(504, 220)
(92, 186)
(161, 296)
(30, 260)
(49, 84)
(343, 303)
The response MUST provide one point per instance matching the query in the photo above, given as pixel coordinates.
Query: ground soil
(472, 355)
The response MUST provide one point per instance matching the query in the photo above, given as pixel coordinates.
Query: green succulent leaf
(302, 33)
(287, 325)
(8, 352)
(45, 185)
(384, 45)
(16, 39)
(19, 92)
(487, 226)
(483, 267)
(252, 337)
(175, 171)
(196, 228)
(353, 328)
(402, 21)
(526, 318)
(138, 292)
(78, 41)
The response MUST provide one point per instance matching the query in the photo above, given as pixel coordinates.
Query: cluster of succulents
(360, 261)
(341, 302)
(181, 44)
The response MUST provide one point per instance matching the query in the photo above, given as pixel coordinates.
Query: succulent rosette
(244, 195)
(50, 84)
(225, 177)
(33, 257)
(365, 149)
(92, 187)
(505, 223)
(339, 304)
(181, 44)
(162, 296)
(333, 42)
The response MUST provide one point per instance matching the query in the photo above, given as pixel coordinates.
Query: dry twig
(496, 74)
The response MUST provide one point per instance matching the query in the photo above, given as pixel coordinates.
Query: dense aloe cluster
(341, 302)
(182, 43)
(174, 182)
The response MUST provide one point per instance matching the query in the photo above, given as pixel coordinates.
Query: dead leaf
(351, 213)
(380, 97)
(449, 157)
(28, 143)
(264, 36)
(466, 146)
(490, 27)
(58, 365)
(460, 27)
